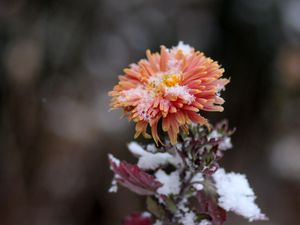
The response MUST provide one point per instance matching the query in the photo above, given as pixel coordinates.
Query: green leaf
(202, 216)
(155, 208)
(171, 205)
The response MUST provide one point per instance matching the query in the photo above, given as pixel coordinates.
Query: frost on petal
(151, 161)
(236, 195)
(185, 48)
(171, 86)
(170, 183)
(133, 178)
(180, 92)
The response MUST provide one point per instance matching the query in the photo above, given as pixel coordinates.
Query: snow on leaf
(236, 195)
(188, 218)
(149, 160)
(170, 183)
(133, 178)
(205, 222)
(197, 181)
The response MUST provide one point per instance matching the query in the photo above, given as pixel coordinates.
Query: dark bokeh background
(58, 59)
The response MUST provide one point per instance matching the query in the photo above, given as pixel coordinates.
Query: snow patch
(181, 92)
(144, 98)
(114, 159)
(214, 135)
(188, 218)
(170, 183)
(205, 222)
(148, 160)
(196, 181)
(225, 144)
(146, 215)
(185, 48)
(236, 195)
(114, 186)
(151, 148)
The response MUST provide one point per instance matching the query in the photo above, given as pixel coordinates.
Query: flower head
(171, 86)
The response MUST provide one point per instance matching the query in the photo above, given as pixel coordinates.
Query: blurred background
(58, 60)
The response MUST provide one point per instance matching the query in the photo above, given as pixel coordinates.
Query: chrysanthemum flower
(173, 87)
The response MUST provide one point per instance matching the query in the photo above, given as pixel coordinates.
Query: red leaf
(137, 219)
(133, 177)
(208, 205)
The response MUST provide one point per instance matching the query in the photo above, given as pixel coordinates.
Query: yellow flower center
(166, 80)
(170, 80)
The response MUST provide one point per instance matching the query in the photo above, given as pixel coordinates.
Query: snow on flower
(170, 183)
(186, 49)
(236, 195)
(148, 160)
(171, 86)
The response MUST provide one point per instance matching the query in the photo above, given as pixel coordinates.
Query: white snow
(114, 186)
(158, 222)
(225, 144)
(146, 214)
(205, 222)
(156, 79)
(236, 195)
(151, 148)
(182, 207)
(144, 97)
(188, 218)
(113, 159)
(185, 48)
(214, 135)
(181, 92)
(196, 180)
(148, 160)
(130, 94)
(174, 64)
(170, 183)
(219, 89)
